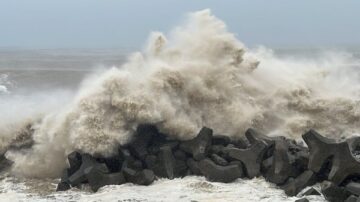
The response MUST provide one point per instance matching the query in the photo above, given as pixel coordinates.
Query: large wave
(197, 75)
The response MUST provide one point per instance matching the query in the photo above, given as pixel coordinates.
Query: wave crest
(198, 75)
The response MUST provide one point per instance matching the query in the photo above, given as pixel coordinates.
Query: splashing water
(3, 83)
(198, 75)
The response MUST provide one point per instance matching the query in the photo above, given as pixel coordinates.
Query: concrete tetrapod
(75, 160)
(143, 177)
(250, 157)
(193, 166)
(141, 140)
(165, 163)
(352, 198)
(354, 188)
(87, 161)
(200, 145)
(218, 173)
(333, 193)
(293, 187)
(98, 179)
(282, 166)
(321, 148)
(310, 192)
(254, 136)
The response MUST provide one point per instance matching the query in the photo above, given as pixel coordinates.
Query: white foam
(3, 83)
(3, 89)
(186, 189)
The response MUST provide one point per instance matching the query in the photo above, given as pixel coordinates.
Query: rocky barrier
(284, 162)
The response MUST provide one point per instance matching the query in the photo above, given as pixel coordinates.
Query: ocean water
(199, 74)
(186, 189)
(32, 82)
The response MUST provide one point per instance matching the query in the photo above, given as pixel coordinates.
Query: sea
(29, 78)
(200, 74)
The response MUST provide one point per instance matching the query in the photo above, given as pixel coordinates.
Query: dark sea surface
(38, 70)
(25, 71)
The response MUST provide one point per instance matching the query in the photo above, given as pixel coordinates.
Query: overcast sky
(126, 23)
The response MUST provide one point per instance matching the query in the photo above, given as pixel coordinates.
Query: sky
(127, 23)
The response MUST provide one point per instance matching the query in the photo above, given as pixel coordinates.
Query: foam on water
(186, 189)
(3, 83)
(3, 89)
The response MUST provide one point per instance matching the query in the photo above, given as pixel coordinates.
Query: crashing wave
(198, 75)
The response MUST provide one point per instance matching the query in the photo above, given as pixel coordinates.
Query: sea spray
(198, 75)
(4, 83)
